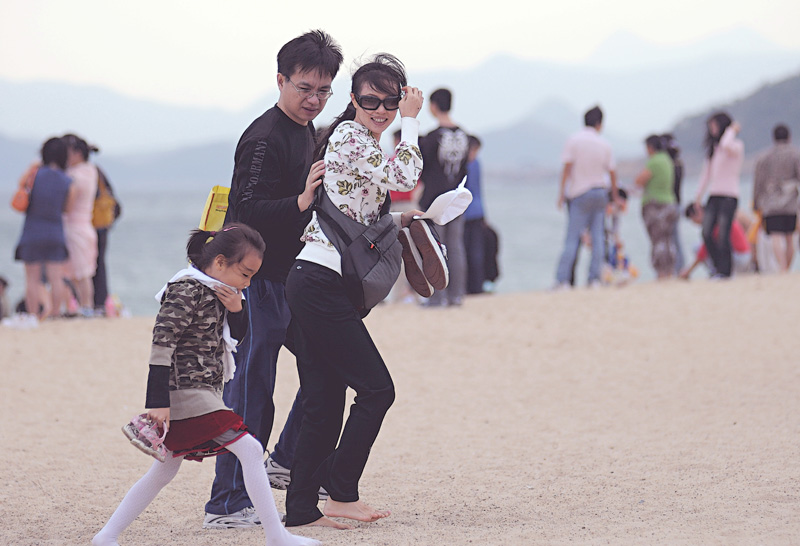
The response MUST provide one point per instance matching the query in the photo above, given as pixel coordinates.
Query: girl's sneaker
(144, 434)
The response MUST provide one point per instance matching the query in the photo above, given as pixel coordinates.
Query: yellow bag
(106, 208)
(215, 209)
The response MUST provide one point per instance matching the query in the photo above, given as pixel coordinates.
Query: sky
(222, 53)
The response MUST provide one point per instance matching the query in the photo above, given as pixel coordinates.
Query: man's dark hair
(443, 99)
(655, 142)
(691, 210)
(313, 51)
(780, 133)
(474, 142)
(593, 117)
(55, 151)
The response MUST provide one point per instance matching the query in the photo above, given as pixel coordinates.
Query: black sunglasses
(371, 102)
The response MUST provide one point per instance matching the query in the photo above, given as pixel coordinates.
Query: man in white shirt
(589, 173)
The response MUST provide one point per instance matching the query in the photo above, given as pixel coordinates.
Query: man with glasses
(272, 189)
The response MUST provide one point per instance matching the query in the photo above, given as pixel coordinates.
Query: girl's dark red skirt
(194, 438)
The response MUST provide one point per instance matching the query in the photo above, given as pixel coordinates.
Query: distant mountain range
(523, 110)
(758, 114)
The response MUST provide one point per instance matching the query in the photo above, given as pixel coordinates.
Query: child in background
(195, 333)
(617, 269)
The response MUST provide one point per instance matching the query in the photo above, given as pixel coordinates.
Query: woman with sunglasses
(335, 350)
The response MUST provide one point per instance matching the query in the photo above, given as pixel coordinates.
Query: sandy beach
(653, 414)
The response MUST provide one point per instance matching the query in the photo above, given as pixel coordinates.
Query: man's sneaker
(433, 253)
(144, 434)
(412, 264)
(280, 477)
(246, 517)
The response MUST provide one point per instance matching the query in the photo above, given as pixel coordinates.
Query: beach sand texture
(654, 414)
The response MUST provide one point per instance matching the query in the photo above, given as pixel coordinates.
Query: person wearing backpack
(334, 346)
(105, 213)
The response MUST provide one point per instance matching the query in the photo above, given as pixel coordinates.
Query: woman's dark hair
(671, 145)
(74, 142)
(314, 50)
(54, 150)
(234, 241)
(655, 142)
(384, 73)
(723, 120)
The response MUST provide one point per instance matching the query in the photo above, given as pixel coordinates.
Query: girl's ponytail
(194, 248)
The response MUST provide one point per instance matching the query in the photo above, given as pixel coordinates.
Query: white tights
(251, 456)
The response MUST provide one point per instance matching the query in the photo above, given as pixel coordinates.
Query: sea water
(147, 245)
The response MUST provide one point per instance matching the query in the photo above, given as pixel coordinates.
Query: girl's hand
(230, 299)
(159, 415)
(314, 179)
(411, 103)
(407, 217)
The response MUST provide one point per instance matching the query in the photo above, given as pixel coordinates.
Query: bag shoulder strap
(26, 182)
(341, 229)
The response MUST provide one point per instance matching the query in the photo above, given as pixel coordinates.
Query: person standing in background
(673, 149)
(474, 222)
(78, 229)
(42, 245)
(102, 221)
(775, 194)
(721, 173)
(445, 152)
(589, 171)
(659, 213)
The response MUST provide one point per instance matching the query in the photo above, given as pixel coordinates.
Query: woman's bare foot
(327, 522)
(357, 510)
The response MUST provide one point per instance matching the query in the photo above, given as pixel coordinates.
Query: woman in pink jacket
(721, 172)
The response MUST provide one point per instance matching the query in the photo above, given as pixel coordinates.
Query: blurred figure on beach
(720, 176)
(102, 220)
(78, 229)
(5, 310)
(445, 152)
(776, 187)
(659, 209)
(272, 189)
(674, 150)
(589, 172)
(618, 268)
(741, 254)
(475, 222)
(43, 245)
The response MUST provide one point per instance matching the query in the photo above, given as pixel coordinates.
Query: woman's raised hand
(411, 103)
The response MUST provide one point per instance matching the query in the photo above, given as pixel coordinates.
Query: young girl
(201, 311)
(337, 351)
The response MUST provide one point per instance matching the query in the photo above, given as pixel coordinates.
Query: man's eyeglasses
(371, 102)
(309, 93)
